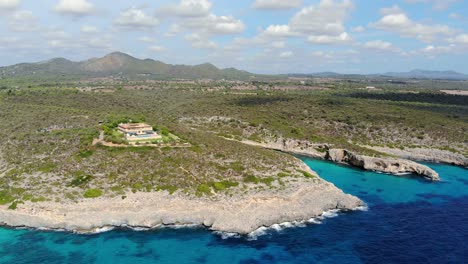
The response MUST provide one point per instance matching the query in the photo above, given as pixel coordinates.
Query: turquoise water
(409, 221)
(394, 189)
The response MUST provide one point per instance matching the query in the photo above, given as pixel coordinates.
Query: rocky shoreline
(302, 200)
(396, 166)
(425, 154)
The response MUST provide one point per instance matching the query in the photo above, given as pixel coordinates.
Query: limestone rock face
(386, 165)
(426, 154)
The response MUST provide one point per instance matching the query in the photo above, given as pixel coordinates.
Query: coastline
(395, 166)
(300, 201)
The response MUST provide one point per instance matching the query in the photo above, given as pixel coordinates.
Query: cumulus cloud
(75, 7)
(330, 39)
(196, 18)
(380, 45)
(200, 42)
(395, 20)
(213, 24)
(460, 39)
(276, 4)
(23, 21)
(188, 8)
(9, 4)
(135, 19)
(321, 23)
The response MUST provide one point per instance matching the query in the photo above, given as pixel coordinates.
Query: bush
(251, 179)
(307, 174)
(203, 189)
(218, 186)
(92, 193)
(80, 179)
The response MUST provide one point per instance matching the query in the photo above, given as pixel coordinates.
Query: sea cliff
(301, 200)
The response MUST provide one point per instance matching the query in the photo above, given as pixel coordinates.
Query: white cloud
(200, 42)
(358, 29)
(380, 45)
(276, 4)
(23, 21)
(286, 54)
(278, 31)
(432, 50)
(195, 16)
(135, 19)
(278, 44)
(436, 4)
(209, 25)
(395, 20)
(74, 7)
(146, 39)
(321, 23)
(89, 30)
(156, 48)
(188, 8)
(327, 39)
(460, 39)
(9, 4)
(174, 29)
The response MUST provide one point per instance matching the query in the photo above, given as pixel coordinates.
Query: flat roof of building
(133, 125)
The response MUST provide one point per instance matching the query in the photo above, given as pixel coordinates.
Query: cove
(409, 220)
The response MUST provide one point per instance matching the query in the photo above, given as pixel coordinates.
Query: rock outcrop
(294, 146)
(385, 165)
(425, 154)
(323, 151)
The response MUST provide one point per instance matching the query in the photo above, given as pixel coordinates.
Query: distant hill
(118, 63)
(414, 74)
(423, 74)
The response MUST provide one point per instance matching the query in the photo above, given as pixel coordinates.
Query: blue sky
(261, 36)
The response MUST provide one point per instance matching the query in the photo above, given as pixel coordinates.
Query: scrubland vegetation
(46, 151)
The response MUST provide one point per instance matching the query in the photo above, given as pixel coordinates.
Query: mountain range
(120, 64)
(124, 65)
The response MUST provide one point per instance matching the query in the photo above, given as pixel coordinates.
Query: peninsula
(112, 146)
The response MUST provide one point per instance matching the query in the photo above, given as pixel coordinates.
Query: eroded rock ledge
(386, 165)
(323, 151)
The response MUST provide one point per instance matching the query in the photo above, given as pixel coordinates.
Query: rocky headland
(302, 200)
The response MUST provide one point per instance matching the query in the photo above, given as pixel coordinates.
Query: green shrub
(85, 153)
(267, 180)
(306, 174)
(170, 188)
(6, 197)
(92, 193)
(251, 179)
(218, 186)
(203, 189)
(14, 205)
(80, 179)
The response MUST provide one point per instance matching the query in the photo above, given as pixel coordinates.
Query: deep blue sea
(408, 221)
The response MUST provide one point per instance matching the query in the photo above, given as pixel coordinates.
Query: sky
(260, 36)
